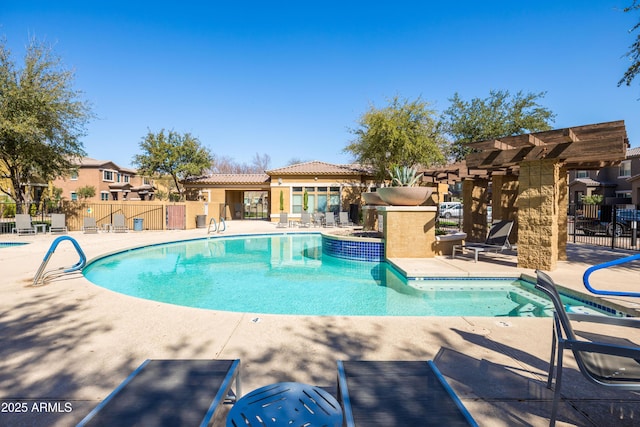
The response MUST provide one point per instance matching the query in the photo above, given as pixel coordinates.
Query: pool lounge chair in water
(602, 359)
(398, 393)
(497, 241)
(170, 392)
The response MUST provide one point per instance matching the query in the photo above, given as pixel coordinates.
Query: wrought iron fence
(614, 226)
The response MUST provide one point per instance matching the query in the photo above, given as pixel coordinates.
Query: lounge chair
(169, 392)
(89, 225)
(119, 225)
(398, 393)
(344, 219)
(284, 220)
(609, 361)
(58, 224)
(24, 225)
(305, 219)
(497, 241)
(329, 220)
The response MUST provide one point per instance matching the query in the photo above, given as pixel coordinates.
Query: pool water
(11, 244)
(288, 274)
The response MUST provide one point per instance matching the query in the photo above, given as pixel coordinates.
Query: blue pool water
(288, 274)
(10, 244)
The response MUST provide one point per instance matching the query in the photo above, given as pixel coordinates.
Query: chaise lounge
(497, 241)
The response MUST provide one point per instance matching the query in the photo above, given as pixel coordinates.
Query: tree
(634, 51)
(497, 116)
(169, 153)
(404, 133)
(42, 119)
(86, 192)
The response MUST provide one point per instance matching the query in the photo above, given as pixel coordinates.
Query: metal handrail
(587, 273)
(217, 227)
(41, 274)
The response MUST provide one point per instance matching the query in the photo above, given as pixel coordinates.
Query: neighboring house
(112, 182)
(617, 184)
(329, 187)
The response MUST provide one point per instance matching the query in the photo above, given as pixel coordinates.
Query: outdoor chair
(169, 393)
(329, 220)
(58, 224)
(344, 219)
(24, 225)
(608, 361)
(398, 393)
(284, 220)
(89, 225)
(318, 219)
(497, 241)
(305, 219)
(119, 224)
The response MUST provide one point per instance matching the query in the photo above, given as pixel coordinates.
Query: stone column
(409, 231)
(475, 197)
(542, 190)
(504, 201)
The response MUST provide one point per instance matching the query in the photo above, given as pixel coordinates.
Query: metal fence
(613, 226)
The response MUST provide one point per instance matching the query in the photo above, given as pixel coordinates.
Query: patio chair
(318, 219)
(398, 393)
(607, 361)
(284, 220)
(89, 225)
(344, 220)
(58, 224)
(24, 225)
(305, 219)
(497, 241)
(169, 392)
(329, 220)
(119, 224)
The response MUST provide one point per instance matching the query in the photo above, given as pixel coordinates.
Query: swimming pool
(289, 274)
(11, 244)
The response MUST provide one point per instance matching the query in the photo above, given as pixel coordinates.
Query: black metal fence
(613, 226)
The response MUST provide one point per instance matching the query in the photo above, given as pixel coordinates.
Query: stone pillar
(475, 197)
(370, 218)
(409, 231)
(542, 190)
(563, 208)
(504, 201)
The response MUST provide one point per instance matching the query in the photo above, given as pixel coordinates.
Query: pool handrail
(41, 274)
(590, 270)
(218, 227)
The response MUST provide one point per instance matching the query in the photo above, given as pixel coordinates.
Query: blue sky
(290, 78)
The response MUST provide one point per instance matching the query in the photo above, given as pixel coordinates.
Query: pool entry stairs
(216, 227)
(42, 275)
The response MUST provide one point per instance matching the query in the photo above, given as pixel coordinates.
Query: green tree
(404, 133)
(634, 51)
(42, 119)
(497, 116)
(86, 192)
(173, 154)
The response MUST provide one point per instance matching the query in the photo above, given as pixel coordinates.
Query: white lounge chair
(497, 241)
(284, 220)
(344, 220)
(119, 224)
(58, 224)
(89, 225)
(24, 225)
(329, 220)
(305, 219)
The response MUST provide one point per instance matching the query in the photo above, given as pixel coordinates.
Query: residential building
(617, 184)
(112, 182)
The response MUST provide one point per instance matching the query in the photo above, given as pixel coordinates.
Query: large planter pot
(372, 199)
(405, 196)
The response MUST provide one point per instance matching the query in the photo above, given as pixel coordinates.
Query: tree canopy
(404, 133)
(42, 119)
(634, 51)
(500, 114)
(170, 153)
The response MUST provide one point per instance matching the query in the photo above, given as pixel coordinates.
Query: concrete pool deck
(70, 341)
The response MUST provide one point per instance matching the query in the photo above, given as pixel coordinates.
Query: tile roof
(591, 182)
(230, 178)
(319, 168)
(633, 152)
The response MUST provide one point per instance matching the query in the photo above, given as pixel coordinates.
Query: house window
(74, 176)
(624, 194)
(104, 196)
(146, 181)
(107, 176)
(582, 174)
(625, 169)
(74, 196)
(125, 178)
(321, 199)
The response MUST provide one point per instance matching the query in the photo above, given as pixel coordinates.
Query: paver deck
(66, 345)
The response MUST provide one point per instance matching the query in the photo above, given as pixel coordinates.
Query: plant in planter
(405, 190)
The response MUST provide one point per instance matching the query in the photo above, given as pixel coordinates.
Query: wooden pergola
(529, 183)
